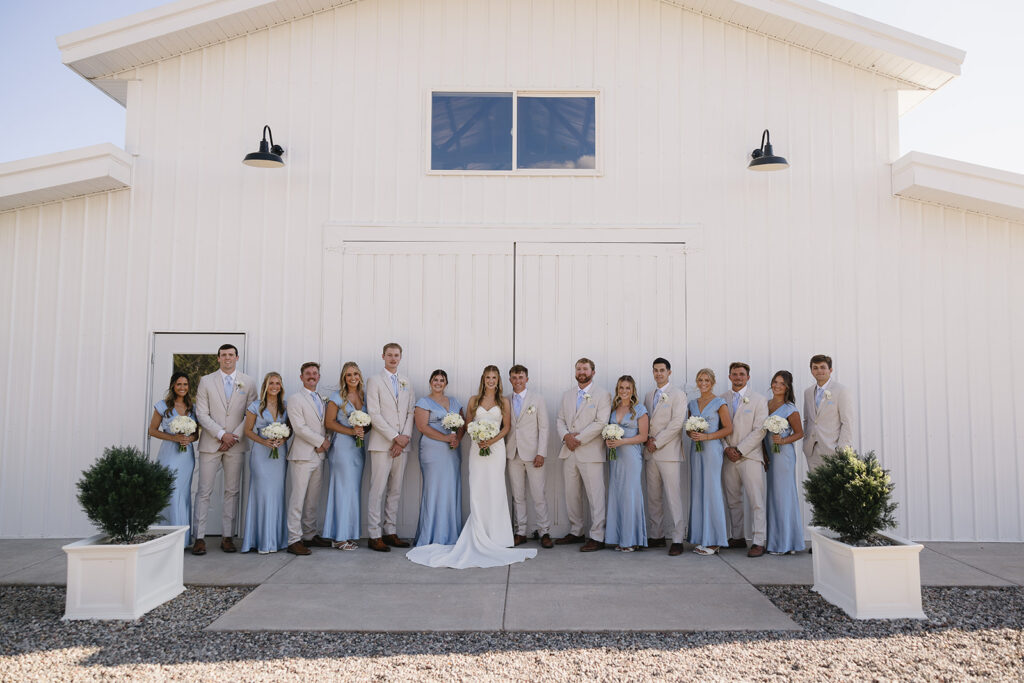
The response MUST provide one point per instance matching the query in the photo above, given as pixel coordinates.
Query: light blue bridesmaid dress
(179, 511)
(626, 522)
(785, 523)
(707, 504)
(266, 523)
(441, 500)
(346, 463)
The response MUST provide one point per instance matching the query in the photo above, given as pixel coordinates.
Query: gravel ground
(972, 633)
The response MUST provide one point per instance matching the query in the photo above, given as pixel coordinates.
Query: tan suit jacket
(666, 424)
(528, 435)
(307, 425)
(832, 424)
(215, 413)
(587, 423)
(747, 424)
(389, 416)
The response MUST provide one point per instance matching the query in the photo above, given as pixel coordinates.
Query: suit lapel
(218, 383)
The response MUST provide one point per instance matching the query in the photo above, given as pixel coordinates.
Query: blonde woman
(486, 539)
(707, 505)
(626, 524)
(265, 526)
(346, 459)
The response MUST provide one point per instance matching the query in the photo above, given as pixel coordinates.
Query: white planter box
(882, 582)
(124, 581)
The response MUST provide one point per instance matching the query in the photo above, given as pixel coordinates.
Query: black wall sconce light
(763, 159)
(269, 155)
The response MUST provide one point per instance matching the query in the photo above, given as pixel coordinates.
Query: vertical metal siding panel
(958, 508)
(390, 118)
(344, 105)
(1014, 429)
(11, 441)
(413, 144)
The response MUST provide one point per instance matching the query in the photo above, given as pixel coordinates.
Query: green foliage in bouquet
(124, 492)
(851, 495)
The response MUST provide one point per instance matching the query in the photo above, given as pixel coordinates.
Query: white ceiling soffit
(959, 185)
(99, 52)
(54, 177)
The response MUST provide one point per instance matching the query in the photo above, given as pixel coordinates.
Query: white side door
(188, 347)
(449, 305)
(619, 304)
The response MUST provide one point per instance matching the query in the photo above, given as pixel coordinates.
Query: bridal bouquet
(696, 423)
(612, 431)
(452, 422)
(273, 431)
(776, 425)
(482, 430)
(358, 418)
(183, 424)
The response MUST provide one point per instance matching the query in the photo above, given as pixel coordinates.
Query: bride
(486, 538)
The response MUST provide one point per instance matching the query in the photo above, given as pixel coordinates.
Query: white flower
(183, 424)
(586, 397)
(240, 385)
(483, 430)
(276, 430)
(612, 431)
(531, 410)
(452, 421)
(776, 424)
(696, 423)
(663, 398)
(828, 394)
(403, 384)
(358, 418)
(746, 400)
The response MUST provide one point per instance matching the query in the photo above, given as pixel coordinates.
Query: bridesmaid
(441, 500)
(785, 525)
(346, 459)
(707, 507)
(626, 524)
(178, 401)
(266, 528)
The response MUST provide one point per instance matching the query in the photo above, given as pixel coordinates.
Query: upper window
(509, 132)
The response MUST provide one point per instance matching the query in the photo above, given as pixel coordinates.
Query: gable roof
(101, 52)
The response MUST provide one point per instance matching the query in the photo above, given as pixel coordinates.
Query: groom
(582, 415)
(221, 400)
(389, 402)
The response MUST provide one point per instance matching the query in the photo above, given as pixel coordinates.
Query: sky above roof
(975, 118)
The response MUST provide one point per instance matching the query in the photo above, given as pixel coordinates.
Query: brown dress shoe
(317, 542)
(737, 543)
(199, 547)
(546, 542)
(227, 545)
(755, 551)
(518, 540)
(394, 541)
(569, 538)
(591, 545)
(656, 542)
(675, 549)
(298, 548)
(378, 545)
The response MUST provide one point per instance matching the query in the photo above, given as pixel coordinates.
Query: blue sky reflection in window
(471, 131)
(556, 132)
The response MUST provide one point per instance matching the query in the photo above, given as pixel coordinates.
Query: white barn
(654, 240)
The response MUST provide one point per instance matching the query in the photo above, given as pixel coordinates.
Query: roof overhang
(101, 52)
(63, 175)
(960, 185)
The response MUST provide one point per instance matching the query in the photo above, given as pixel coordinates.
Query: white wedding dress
(486, 538)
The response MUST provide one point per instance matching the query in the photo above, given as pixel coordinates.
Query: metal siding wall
(819, 258)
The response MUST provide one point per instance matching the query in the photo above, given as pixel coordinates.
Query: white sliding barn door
(622, 305)
(449, 304)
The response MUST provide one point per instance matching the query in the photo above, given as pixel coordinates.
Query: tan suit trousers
(588, 476)
(209, 463)
(386, 476)
(664, 481)
(521, 472)
(746, 475)
(304, 480)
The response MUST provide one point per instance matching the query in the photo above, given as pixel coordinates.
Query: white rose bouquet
(452, 422)
(696, 423)
(482, 430)
(358, 418)
(776, 425)
(273, 432)
(612, 431)
(183, 424)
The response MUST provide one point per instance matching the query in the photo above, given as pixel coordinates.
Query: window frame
(598, 169)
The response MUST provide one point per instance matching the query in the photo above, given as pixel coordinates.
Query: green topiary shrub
(851, 495)
(124, 492)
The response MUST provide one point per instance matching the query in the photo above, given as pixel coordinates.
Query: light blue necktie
(579, 398)
(517, 403)
(819, 393)
(229, 388)
(394, 384)
(735, 403)
(319, 404)
(657, 399)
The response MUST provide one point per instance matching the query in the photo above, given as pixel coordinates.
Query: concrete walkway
(561, 590)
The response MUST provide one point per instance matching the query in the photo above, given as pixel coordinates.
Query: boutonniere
(586, 397)
(402, 383)
(531, 410)
(239, 385)
(828, 394)
(746, 400)
(664, 397)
